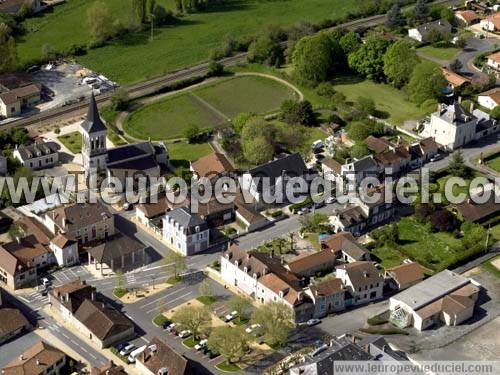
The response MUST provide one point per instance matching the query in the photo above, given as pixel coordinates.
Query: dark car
(121, 346)
(165, 324)
(210, 354)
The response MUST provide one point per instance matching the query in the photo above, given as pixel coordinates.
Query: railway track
(148, 87)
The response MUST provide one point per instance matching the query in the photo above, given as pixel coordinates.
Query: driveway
(474, 47)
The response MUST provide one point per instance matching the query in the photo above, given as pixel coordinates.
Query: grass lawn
(228, 367)
(189, 342)
(416, 241)
(490, 267)
(493, 162)
(387, 99)
(443, 53)
(119, 292)
(206, 107)
(181, 153)
(207, 300)
(456, 189)
(174, 46)
(495, 232)
(173, 280)
(72, 141)
(159, 320)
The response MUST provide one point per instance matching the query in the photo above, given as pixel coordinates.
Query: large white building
(363, 282)
(446, 296)
(453, 126)
(186, 232)
(40, 155)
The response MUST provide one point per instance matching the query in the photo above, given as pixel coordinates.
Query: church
(131, 160)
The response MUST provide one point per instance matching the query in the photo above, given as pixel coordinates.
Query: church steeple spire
(93, 122)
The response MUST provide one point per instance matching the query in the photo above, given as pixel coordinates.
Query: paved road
(474, 47)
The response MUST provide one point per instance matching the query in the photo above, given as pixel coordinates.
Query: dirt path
(123, 115)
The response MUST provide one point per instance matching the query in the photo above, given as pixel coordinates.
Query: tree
(443, 221)
(231, 343)
(150, 10)
(420, 12)
(473, 235)
(495, 112)
(191, 133)
(368, 60)
(366, 106)
(139, 10)
(424, 211)
(359, 150)
(426, 82)
(204, 289)
(315, 58)
(387, 234)
(267, 50)
(215, 68)
(399, 62)
(119, 280)
(120, 100)
(257, 150)
(395, 18)
(176, 262)
(295, 112)
(240, 304)
(457, 167)
(360, 130)
(241, 120)
(8, 55)
(325, 89)
(456, 65)
(276, 320)
(197, 319)
(100, 20)
(17, 230)
(350, 42)
(314, 223)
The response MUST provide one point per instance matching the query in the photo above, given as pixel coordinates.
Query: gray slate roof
(115, 248)
(188, 220)
(128, 152)
(455, 114)
(38, 149)
(93, 122)
(440, 25)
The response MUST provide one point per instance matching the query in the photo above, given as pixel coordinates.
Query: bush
(276, 214)
(159, 320)
(215, 68)
(119, 292)
(443, 221)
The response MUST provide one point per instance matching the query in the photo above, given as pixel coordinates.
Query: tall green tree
(231, 343)
(457, 167)
(175, 262)
(350, 42)
(315, 57)
(100, 20)
(395, 18)
(399, 62)
(420, 12)
(295, 112)
(426, 82)
(368, 60)
(276, 319)
(197, 319)
(8, 55)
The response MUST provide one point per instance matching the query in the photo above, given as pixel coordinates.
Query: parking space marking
(163, 297)
(145, 339)
(170, 302)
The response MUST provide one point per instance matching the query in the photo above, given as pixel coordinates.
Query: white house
(421, 33)
(493, 61)
(489, 99)
(40, 155)
(186, 232)
(491, 23)
(65, 250)
(445, 296)
(362, 280)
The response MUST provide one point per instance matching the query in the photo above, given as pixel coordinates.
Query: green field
(416, 241)
(493, 162)
(182, 153)
(206, 107)
(442, 53)
(72, 141)
(387, 99)
(185, 43)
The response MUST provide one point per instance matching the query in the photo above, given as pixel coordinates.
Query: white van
(135, 353)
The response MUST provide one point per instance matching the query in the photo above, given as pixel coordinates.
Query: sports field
(135, 58)
(206, 107)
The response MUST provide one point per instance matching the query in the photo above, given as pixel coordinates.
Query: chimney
(37, 362)
(21, 358)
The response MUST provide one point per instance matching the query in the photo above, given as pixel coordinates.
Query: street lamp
(152, 17)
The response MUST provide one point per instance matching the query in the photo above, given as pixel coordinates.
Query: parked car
(166, 324)
(210, 354)
(184, 334)
(46, 282)
(128, 349)
(201, 344)
(319, 204)
(170, 327)
(121, 346)
(331, 200)
(436, 157)
(231, 316)
(136, 353)
(313, 322)
(252, 328)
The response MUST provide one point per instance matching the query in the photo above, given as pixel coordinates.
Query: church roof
(93, 122)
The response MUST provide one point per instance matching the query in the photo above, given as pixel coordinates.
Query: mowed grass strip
(246, 94)
(207, 107)
(135, 58)
(169, 118)
(72, 141)
(387, 99)
(442, 53)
